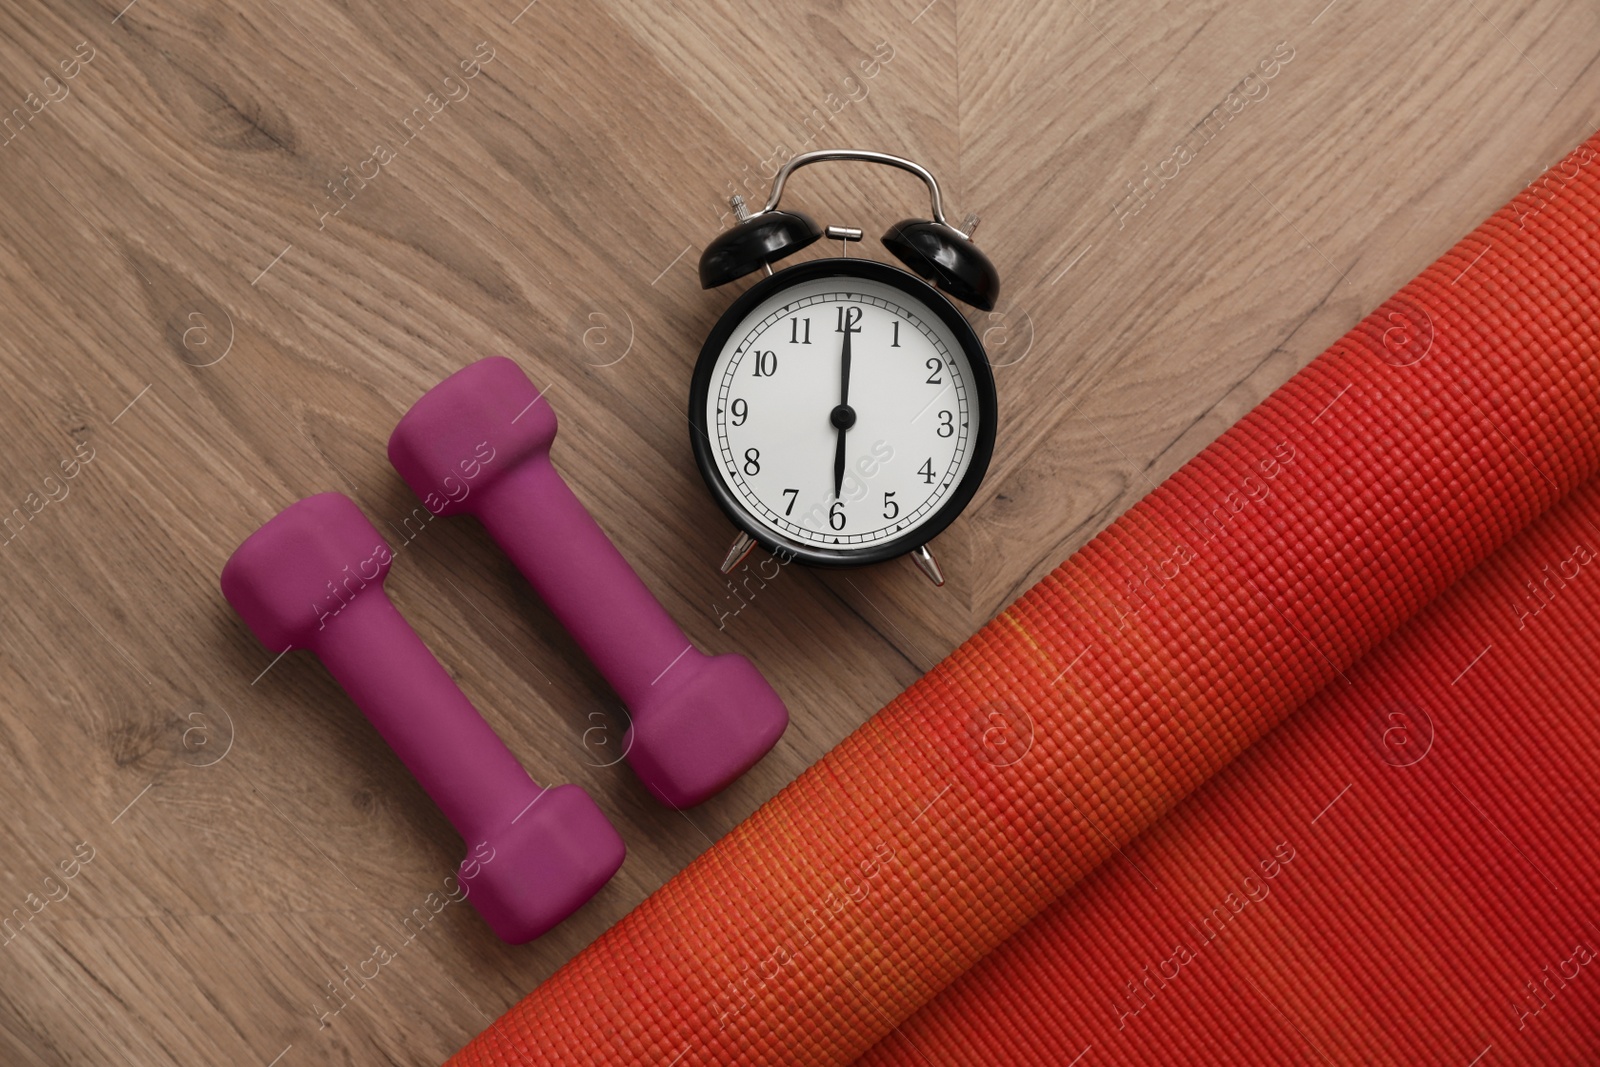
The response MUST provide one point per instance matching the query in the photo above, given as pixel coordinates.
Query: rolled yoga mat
(1407, 871)
(1262, 572)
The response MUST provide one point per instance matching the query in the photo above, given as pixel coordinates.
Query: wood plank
(202, 331)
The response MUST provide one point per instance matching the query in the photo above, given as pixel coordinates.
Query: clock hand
(844, 369)
(842, 416)
(838, 466)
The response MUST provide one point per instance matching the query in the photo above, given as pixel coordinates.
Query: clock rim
(983, 389)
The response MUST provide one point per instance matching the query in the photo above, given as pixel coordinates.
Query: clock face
(846, 409)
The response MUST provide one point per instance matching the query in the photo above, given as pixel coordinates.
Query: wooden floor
(198, 329)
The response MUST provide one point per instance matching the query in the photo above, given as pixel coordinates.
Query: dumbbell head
(468, 431)
(308, 579)
(712, 718)
(543, 866)
(287, 577)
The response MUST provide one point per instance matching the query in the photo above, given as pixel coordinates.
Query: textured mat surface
(1405, 872)
(1262, 572)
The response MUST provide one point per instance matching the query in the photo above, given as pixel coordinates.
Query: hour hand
(838, 463)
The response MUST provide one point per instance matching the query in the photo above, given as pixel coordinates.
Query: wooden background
(180, 302)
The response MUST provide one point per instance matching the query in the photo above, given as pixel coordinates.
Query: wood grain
(183, 306)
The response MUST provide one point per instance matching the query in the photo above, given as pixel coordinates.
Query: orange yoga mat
(1405, 872)
(979, 803)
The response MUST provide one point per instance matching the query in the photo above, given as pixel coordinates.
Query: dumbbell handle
(540, 523)
(416, 706)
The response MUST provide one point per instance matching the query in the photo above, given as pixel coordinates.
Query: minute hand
(842, 415)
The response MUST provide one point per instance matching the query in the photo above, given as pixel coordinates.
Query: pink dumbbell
(312, 578)
(479, 442)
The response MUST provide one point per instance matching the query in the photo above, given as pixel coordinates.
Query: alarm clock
(843, 410)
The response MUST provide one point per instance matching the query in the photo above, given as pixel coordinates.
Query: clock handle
(698, 721)
(931, 247)
(829, 155)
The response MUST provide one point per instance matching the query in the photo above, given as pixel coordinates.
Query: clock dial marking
(898, 413)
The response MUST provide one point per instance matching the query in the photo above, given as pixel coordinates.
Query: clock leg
(923, 558)
(737, 552)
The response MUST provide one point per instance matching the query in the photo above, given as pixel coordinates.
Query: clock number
(946, 423)
(793, 495)
(752, 461)
(891, 509)
(836, 515)
(934, 366)
(849, 320)
(741, 411)
(798, 336)
(896, 342)
(926, 470)
(766, 364)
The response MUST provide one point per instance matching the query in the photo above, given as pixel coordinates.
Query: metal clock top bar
(828, 155)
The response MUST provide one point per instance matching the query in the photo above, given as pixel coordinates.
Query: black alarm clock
(843, 410)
